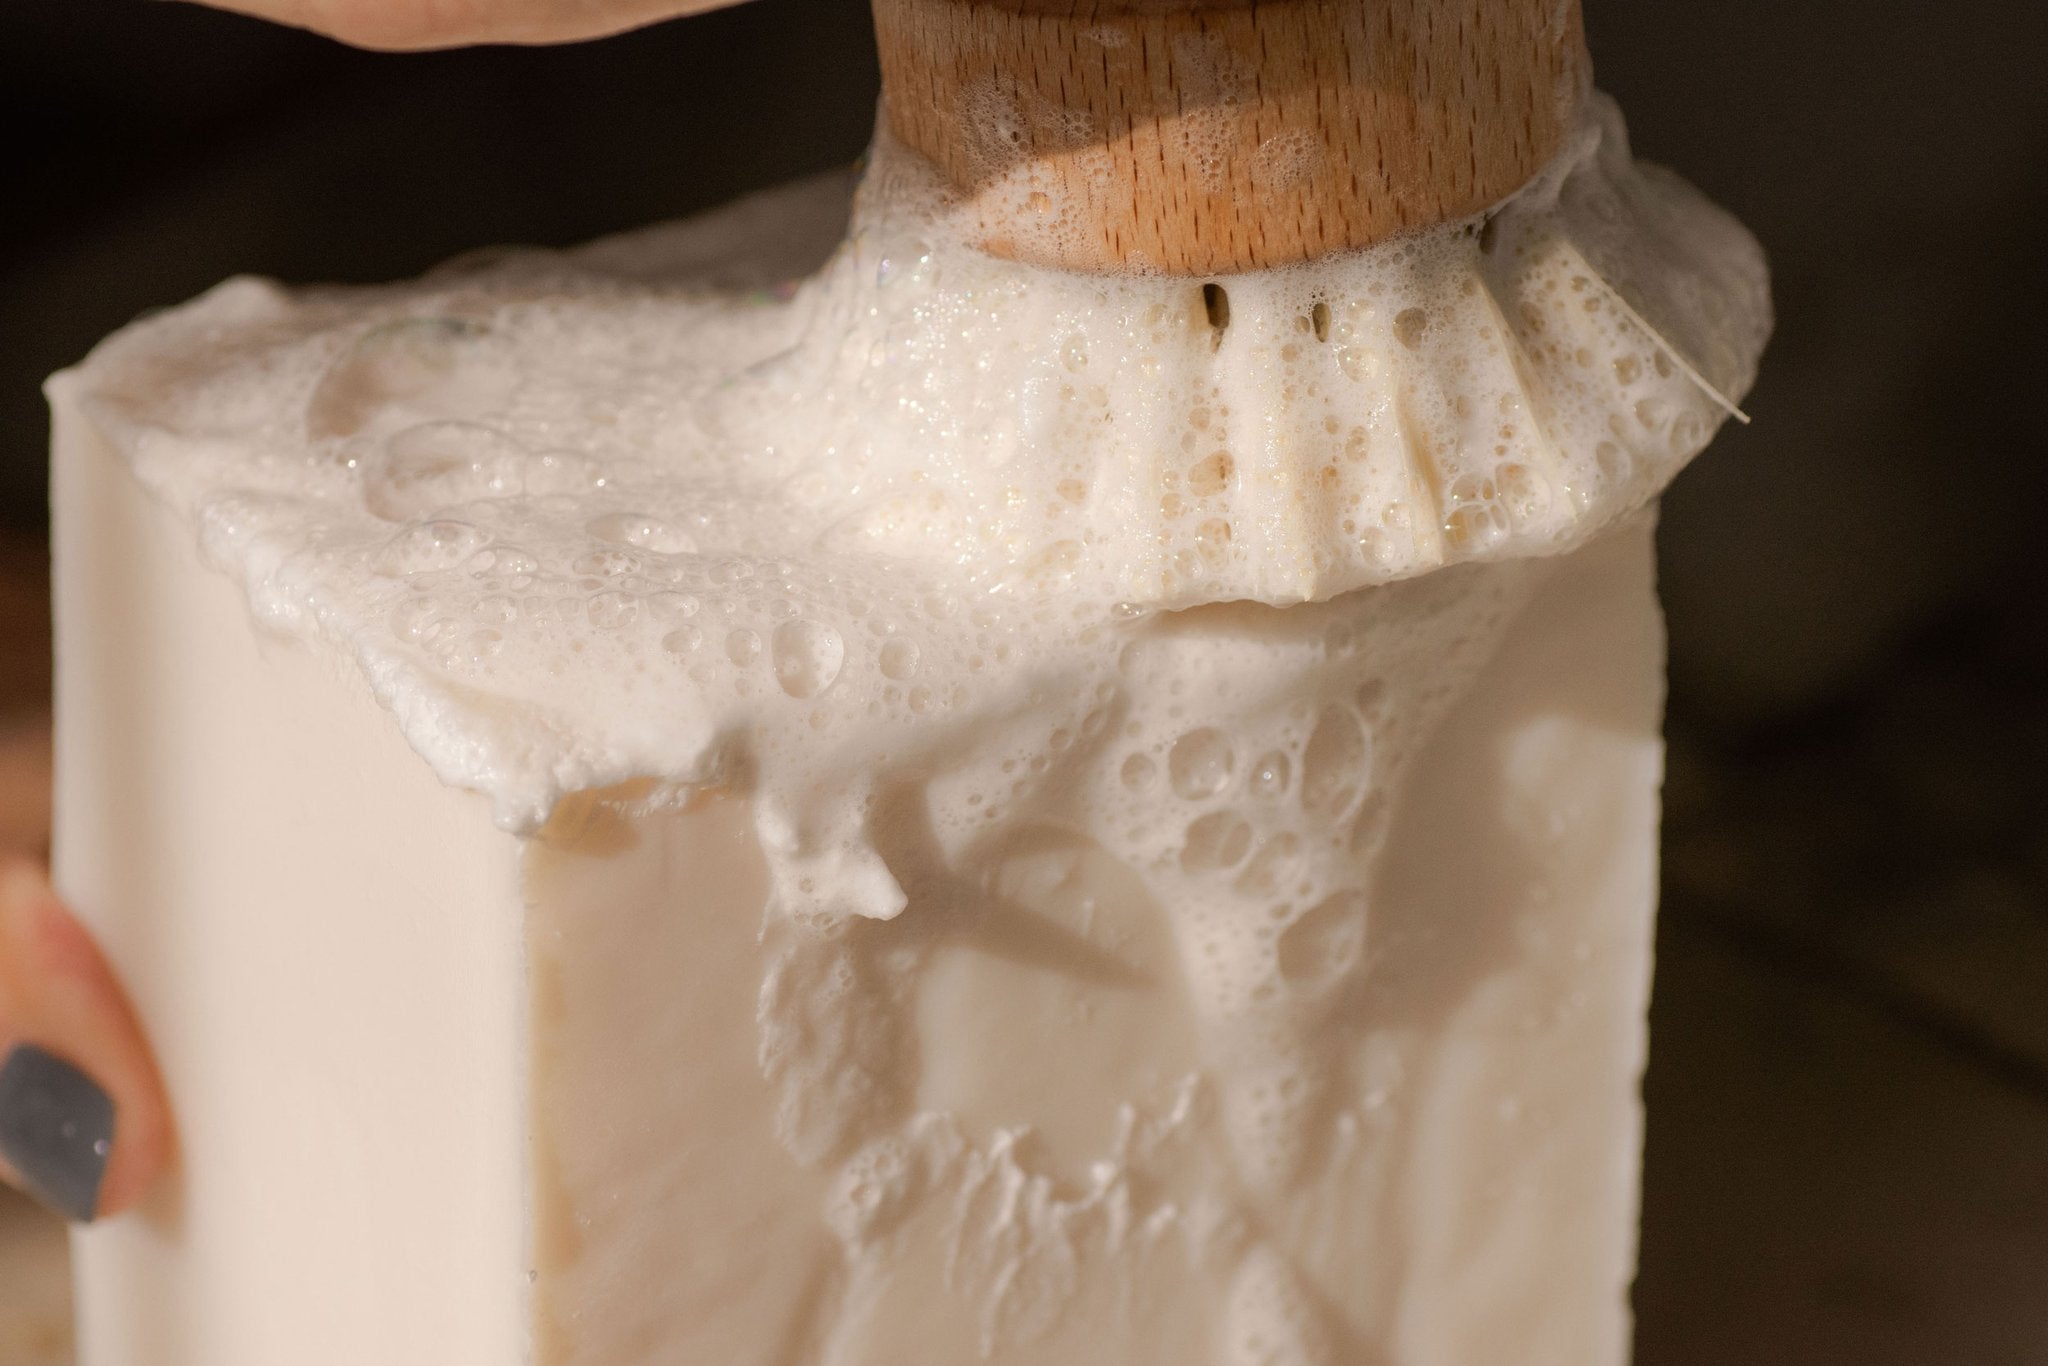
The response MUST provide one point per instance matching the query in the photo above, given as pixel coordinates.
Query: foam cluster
(581, 514)
(924, 548)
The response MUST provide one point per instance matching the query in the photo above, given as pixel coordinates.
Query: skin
(419, 25)
(57, 989)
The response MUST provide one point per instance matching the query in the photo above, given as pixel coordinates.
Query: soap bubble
(728, 573)
(1270, 774)
(743, 646)
(505, 562)
(899, 658)
(1273, 862)
(1220, 839)
(607, 564)
(1523, 492)
(1211, 474)
(614, 610)
(434, 465)
(639, 529)
(808, 655)
(441, 544)
(413, 360)
(497, 609)
(1200, 764)
(1334, 762)
(671, 606)
(1324, 944)
(1473, 527)
(420, 621)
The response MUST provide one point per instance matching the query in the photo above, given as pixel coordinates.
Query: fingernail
(56, 1130)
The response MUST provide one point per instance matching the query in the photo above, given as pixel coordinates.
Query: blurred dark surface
(1848, 1134)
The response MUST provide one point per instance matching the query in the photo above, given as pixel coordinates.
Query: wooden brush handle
(1202, 137)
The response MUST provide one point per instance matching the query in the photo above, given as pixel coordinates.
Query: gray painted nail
(56, 1129)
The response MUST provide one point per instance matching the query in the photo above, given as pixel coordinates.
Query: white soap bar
(419, 1058)
(940, 814)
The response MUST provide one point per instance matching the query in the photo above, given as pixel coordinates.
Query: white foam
(560, 506)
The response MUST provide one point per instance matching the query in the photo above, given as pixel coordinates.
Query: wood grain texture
(1202, 137)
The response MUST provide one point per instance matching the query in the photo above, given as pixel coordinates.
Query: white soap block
(324, 944)
(663, 813)
(448, 1093)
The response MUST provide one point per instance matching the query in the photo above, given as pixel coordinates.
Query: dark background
(1848, 1138)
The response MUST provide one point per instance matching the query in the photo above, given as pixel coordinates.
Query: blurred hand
(411, 25)
(84, 1126)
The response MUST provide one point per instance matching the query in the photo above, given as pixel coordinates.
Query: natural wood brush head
(1204, 137)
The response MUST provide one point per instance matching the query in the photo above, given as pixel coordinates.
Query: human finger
(84, 1123)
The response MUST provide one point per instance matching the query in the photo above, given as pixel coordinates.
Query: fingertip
(84, 1123)
(56, 1129)
(143, 1148)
